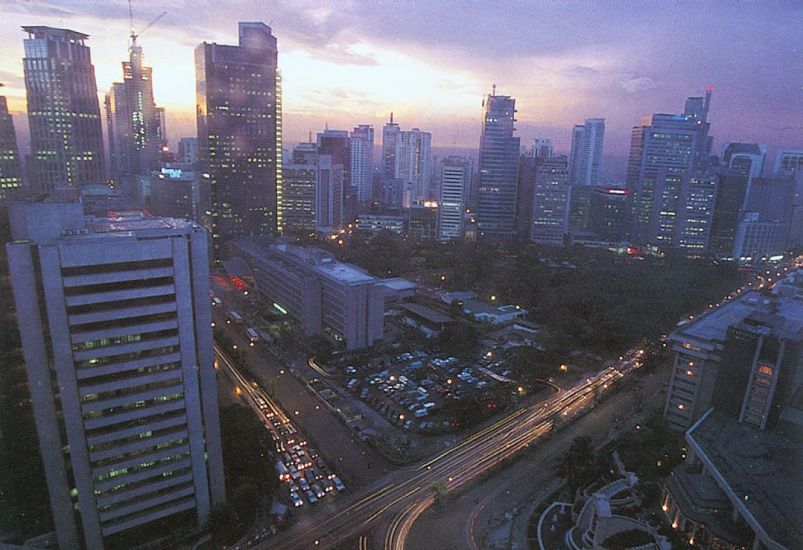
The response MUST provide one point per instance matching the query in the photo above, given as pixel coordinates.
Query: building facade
(63, 110)
(361, 153)
(551, 197)
(11, 184)
(239, 133)
(114, 317)
(455, 178)
(498, 169)
(585, 160)
(327, 297)
(175, 192)
(609, 214)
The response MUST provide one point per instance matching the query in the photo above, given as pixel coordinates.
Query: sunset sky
(430, 62)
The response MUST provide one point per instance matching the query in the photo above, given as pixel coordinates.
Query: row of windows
(131, 486)
(142, 466)
(139, 452)
(144, 403)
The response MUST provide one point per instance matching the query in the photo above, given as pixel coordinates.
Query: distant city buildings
(406, 165)
(788, 161)
(551, 194)
(11, 182)
(745, 158)
(327, 297)
(585, 160)
(63, 110)
(609, 214)
(176, 192)
(187, 150)
(498, 169)
(134, 127)
(455, 181)
(114, 319)
(361, 152)
(239, 133)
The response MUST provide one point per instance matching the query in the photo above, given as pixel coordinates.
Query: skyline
(434, 66)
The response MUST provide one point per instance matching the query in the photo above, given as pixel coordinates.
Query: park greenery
(590, 299)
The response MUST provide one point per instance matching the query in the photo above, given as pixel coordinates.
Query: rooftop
(398, 283)
(427, 313)
(477, 306)
(761, 470)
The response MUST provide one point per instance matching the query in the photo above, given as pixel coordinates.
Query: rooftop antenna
(309, 137)
(493, 89)
(391, 117)
(135, 35)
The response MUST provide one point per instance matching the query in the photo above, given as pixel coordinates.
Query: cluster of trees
(581, 465)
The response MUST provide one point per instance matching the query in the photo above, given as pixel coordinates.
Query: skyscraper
(541, 147)
(63, 109)
(788, 161)
(239, 127)
(10, 167)
(335, 144)
(188, 150)
(455, 179)
(745, 158)
(498, 169)
(391, 141)
(134, 126)
(361, 152)
(415, 165)
(550, 210)
(585, 159)
(114, 318)
(671, 144)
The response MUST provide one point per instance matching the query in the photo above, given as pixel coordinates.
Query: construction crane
(135, 35)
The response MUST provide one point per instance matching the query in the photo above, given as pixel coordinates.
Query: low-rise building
(496, 315)
(428, 321)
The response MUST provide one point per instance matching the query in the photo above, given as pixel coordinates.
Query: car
(303, 484)
(311, 496)
(327, 485)
(320, 493)
(310, 477)
(338, 484)
(328, 473)
(297, 501)
(293, 487)
(318, 474)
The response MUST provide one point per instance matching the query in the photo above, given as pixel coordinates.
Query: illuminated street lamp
(564, 367)
(493, 297)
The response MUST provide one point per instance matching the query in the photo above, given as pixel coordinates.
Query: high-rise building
(551, 195)
(114, 318)
(361, 153)
(585, 160)
(728, 211)
(788, 161)
(695, 212)
(391, 142)
(745, 158)
(11, 186)
(498, 169)
(239, 133)
(541, 148)
(335, 143)
(763, 230)
(134, 125)
(663, 146)
(188, 150)
(300, 182)
(609, 214)
(455, 177)
(63, 110)
(415, 165)
(175, 192)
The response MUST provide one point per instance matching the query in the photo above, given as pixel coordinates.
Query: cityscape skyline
(341, 67)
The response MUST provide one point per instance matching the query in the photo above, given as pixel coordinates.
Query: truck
(233, 316)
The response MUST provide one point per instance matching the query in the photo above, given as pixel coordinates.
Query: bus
(253, 337)
(234, 316)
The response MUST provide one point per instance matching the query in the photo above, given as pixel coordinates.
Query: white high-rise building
(114, 318)
(407, 157)
(361, 154)
(586, 155)
(455, 179)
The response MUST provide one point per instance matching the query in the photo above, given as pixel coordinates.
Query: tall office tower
(304, 152)
(729, 203)
(524, 195)
(335, 143)
(763, 231)
(609, 214)
(695, 212)
(188, 150)
(455, 177)
(391, 142)
(670, 144)
(788, 161)
(298, 205)
(63, 109)
(239, 133)
(175, 192)
(361, 153)
(415, 165)
(134, 126)
(329, 209)
(10, 167)
(313, 192)
(586, 155)
(114, 318)
(550, 210)
(498, 169)
(541, 148)
(745, 158)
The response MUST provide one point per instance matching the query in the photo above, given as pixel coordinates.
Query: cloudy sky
(431, 61)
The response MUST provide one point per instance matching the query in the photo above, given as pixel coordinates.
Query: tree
(459, 338)
(581, 465)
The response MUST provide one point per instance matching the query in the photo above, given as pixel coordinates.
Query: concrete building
(11, 185)
(551, 196)
(114, 318)
(541, 147)
(495, 315)
(325, 296)
(745, 158)
(695, 212)
(745, 357)
(498, 169)
(664, 146)
(788, 161)
(382, 220)
(455, 180)
(176, 192)
(134, 129)
(609, 214)
(299, 185)
(731, 193)
(239, 133)
(188, 150)
(63, 110)
(361, 153)
(585, 159)
(765, 219)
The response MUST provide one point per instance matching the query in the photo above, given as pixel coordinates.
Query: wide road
(411, 489)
